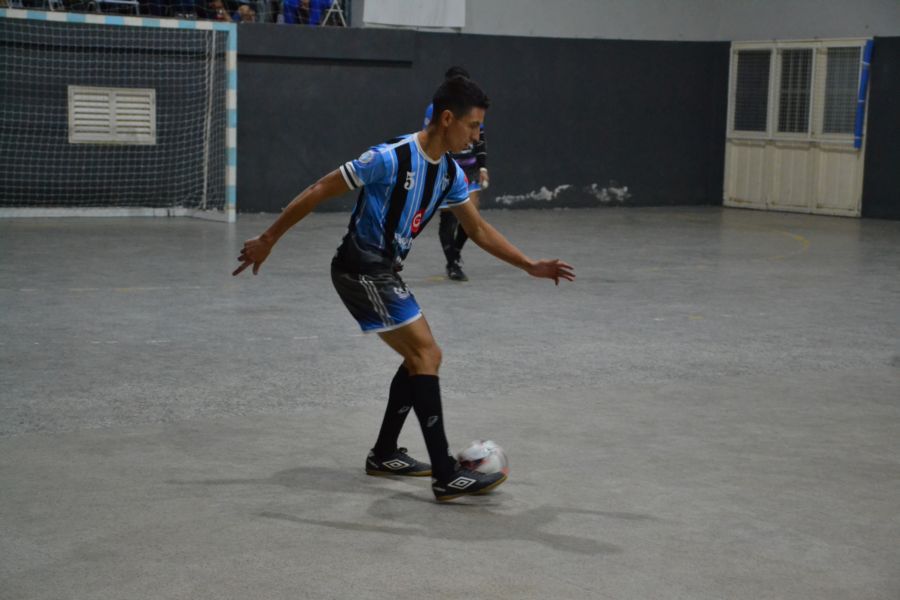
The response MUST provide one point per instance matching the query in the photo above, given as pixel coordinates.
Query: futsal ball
(484, 456)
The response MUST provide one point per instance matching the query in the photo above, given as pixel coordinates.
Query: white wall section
(687, 20)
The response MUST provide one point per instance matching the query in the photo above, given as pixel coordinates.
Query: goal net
(117, 116)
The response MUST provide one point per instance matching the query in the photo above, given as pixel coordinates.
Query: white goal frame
(229, 211)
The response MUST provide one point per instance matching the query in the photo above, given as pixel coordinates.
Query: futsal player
(473, 160)
(403, 183)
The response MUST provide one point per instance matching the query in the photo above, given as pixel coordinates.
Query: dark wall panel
(583, 119)
(881, 180)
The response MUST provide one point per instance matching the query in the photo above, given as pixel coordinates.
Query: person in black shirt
(473, 160)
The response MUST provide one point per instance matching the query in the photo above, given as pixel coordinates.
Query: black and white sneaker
(455, 272)
(398, 463)
(464, 482)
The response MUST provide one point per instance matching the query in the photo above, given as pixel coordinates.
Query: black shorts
(379, 300)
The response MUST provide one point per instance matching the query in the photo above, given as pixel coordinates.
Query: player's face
(465, 130)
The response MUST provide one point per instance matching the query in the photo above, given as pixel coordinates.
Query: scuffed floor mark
(611, 194)
(542, 194)
(569, 195)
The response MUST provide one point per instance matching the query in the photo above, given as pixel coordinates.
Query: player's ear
(446, 117)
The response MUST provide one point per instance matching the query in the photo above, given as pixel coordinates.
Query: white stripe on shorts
(375, 299)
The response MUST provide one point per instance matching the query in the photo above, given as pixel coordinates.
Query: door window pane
(793, 99)
(841, 88)
(752, 93)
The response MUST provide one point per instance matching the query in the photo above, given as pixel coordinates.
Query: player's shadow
(481, 523)
(313, 479)
(418, 515)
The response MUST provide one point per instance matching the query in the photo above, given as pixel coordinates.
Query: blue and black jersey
(402, 188)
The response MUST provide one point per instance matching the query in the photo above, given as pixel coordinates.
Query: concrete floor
(712, 411)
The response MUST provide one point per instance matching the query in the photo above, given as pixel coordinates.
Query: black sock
(399, 404)
(460, 239)
(426, 393)
(447, 234)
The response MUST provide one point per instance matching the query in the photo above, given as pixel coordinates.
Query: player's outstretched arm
(256, 250)
(492, 241)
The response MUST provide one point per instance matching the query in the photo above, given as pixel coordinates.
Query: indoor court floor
(711, 411)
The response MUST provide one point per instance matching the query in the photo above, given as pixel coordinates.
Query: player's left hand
(552, 269)
(254, 252)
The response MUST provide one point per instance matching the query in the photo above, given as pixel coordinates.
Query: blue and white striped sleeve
(372, 166)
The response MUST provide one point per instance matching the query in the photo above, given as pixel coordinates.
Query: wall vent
(103, 115)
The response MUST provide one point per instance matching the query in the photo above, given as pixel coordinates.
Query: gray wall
(805, 19)
(698, 20)
(574, 122)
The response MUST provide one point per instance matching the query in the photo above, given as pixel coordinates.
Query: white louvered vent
(100, 115)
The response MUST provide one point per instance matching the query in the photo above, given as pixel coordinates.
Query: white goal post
(109, 115)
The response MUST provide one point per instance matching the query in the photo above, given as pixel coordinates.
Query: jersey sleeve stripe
(349, 175)
(451, 202)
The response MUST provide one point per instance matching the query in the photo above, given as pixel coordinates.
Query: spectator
(245, 14)
(306, 12)
(216, 11)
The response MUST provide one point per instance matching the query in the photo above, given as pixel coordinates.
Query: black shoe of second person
(455, 272)
(398, 463)
(465, 482)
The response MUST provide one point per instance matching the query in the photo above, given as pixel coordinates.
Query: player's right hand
(254, 252)
(552, 269)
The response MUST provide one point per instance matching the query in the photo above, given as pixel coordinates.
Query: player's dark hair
(456, 71)
(459, 95)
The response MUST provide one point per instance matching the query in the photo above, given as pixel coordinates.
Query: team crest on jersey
(445, 183)
(366, 156)
(402, 292)
(410, 180)
(417, 221)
